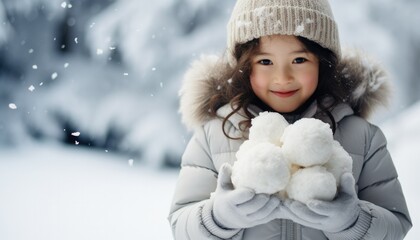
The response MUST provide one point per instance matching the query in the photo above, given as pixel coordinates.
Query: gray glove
(334, 216)
(241, 207)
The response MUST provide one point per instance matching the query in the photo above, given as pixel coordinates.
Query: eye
(265, 62)
(299, 60)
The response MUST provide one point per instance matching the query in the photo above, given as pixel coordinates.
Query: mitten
(329, 216)
(240, 207)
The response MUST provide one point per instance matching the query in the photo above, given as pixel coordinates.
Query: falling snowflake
(260, 12)
(54, 76)
(76, 40)
(76, 134)
(66, 65)
(99, 51)
(12, 106)
(229, 81)
(299, 29)
(154, 69)
(161, 84)
(308, 20)
(31, 51)
(125, 74)
(63, 4)
(130, 162)
(76, 142)
(241, 24)
(34, 66)
(31, 88)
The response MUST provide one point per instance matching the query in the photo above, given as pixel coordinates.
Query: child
(284, 56)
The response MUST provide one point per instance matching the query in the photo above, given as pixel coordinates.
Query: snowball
(312, 183)
(339, 162)
(268, 127)
(245, 147)
(307, 142)
(260, 167)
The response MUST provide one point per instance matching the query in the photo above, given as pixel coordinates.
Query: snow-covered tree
(111, 69)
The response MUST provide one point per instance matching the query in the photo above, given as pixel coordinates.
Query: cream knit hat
(312, 19)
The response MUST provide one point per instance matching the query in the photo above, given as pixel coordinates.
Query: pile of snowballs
(300, 161)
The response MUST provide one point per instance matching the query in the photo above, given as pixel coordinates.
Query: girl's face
(284, 75)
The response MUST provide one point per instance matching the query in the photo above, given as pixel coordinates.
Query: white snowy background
(89, 130)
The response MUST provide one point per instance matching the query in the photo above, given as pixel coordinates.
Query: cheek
(253, 80)
(310, 81)
(257, 80)
(312, 84)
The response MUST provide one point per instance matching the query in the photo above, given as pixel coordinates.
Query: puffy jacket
(385, 213)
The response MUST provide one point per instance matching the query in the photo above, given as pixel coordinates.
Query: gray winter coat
(384, 211)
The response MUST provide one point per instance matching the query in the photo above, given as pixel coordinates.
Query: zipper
(290, 230)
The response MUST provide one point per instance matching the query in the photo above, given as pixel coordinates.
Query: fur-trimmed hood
(363, 80)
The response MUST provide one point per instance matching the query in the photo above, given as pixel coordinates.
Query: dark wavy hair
(240, 95)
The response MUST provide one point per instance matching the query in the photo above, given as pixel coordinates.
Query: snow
(300, 29)
(403, 134)
(78, 90)
(51, 192)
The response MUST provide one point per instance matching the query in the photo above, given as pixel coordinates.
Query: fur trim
(201, 82)
(363, 80)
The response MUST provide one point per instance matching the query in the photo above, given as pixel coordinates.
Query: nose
(282, 75)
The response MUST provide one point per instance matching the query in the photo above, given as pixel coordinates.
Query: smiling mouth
(284, 94)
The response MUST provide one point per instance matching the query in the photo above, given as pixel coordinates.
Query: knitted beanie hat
(312, 19)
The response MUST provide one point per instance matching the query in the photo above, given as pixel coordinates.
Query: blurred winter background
(90, 137)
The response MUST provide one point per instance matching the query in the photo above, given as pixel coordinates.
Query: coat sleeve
(190, 215)
(384, 212)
